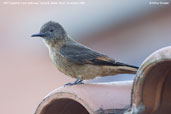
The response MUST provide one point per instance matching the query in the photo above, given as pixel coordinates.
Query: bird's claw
(78, 81)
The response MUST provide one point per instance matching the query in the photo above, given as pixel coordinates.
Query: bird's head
(52, 31)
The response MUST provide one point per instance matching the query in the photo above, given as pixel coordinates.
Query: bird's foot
(78, 81)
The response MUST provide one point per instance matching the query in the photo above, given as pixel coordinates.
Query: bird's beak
(39, 35)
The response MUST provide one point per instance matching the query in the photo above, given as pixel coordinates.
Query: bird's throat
(53, 44)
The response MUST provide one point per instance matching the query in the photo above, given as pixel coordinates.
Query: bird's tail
(126, 69)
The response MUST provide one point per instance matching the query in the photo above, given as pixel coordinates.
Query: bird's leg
(77, 81)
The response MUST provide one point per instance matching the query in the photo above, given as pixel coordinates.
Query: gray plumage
(83, 55)
(77, 60)
(79, 54)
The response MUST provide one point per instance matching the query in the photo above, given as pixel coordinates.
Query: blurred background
(128, 31)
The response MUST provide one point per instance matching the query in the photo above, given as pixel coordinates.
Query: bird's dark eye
(51, 30)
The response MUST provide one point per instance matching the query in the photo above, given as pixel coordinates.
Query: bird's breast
(61, 62)
(54, 56)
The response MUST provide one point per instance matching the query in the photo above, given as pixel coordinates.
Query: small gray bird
(77, 60)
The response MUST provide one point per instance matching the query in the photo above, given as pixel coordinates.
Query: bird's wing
(83, 55)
